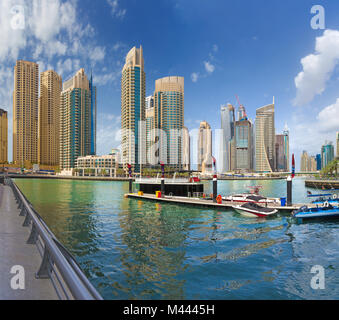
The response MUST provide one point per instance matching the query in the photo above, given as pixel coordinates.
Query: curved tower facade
(133, 94)
(265, 139)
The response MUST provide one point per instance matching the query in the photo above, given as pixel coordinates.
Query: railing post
(23, 211)
(27, 220)
(33, 237)
(45, 267)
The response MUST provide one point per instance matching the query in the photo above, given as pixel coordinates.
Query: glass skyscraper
(327, 154)
(133, 96)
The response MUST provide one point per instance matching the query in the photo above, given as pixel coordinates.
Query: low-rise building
(99, 165)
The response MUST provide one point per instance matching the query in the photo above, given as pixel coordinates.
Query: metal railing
(58, 264)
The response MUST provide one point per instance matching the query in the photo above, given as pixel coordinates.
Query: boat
(253, 210)
(326, 211)
(252, 198)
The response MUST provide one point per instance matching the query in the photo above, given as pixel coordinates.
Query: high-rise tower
(205, 147)
(25, 112)
(3, 136)
(93, 129)
(49, 118)
(133, 92)
(75, 120)
(265, 139)
(169, 117)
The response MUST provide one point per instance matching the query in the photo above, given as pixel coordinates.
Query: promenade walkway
(14, 251)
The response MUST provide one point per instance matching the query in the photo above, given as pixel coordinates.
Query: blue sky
(250, 48)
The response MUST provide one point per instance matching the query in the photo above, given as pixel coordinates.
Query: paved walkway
(14, 251)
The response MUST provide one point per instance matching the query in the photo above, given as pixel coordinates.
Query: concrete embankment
(322, 184)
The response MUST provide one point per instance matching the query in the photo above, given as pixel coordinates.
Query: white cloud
(116, 11)
(329, 118)
(209, 67)
(194, 76)
(317, 68)
(97, 54)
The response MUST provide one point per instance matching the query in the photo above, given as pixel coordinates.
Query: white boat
(253, 210)
(253, 198)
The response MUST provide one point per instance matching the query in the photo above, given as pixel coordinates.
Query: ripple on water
(143, 250)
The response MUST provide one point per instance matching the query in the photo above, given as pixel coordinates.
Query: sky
(255, 49)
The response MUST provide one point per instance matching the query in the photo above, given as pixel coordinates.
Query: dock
(14, 251)
(226, 205)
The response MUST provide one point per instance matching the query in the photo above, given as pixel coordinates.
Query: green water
(132, 249)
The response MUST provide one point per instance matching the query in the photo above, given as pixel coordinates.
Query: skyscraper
(205, 147)
(318, 159)
(186, 149)
(3, 136)
(150, 125)
(304, 162)
(49, 118)
(265, 139)
(133, 93)
(327, 153)
(169, 117)
(25, 112)
(282, 151)
(243, 145)
(338, 144)
(75, 120)
(227, 127)
(286, 134)
(93, 129)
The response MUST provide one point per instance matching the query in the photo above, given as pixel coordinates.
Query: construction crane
(241, 109)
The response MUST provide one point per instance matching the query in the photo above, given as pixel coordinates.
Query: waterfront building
(304, 162)
(243, 145)
(75, 120)
(312, 164)
(338, 144)
(205, 148)
(3, 136)
(282, 151)
(93, 128)
(133, 95)
(318, 159)
(25, 112)
(308, 163)
(186, 149)
(265, 139)
(327, 153)
(150, 125)
(227, 127)
(49, 118)
(103, 165)
(169, 117)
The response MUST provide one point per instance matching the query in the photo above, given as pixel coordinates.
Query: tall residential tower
(3, 136)
(265, 139)
(25, 112)
(169, 117)
(75, 120)
(49, 118)
(133, 93)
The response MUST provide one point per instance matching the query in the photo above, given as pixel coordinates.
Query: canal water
(132, 249)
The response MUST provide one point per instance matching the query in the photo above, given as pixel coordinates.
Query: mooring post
(162, 180)
(215, 188)
(130, 189)
(289, 191)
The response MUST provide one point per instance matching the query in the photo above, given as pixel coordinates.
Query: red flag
(293, 166)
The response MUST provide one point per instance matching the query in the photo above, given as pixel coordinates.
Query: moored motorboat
(326, 211)
(247, 197)
(251, 209)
